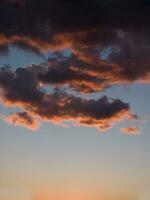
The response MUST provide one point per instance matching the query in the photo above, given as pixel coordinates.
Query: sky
(74, 100)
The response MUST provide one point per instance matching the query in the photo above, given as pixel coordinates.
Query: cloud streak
(131, 130)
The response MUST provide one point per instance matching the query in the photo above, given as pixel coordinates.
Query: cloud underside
(109, 44)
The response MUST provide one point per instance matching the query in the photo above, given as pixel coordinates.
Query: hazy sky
(75, 99)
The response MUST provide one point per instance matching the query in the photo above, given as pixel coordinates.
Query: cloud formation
(109, 44)
(20, 88)
(84, 26)
(86, 76)
(88, 28)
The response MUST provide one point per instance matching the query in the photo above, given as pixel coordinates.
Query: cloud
(23, 119)
(20, 88)
(85, 24)
(131, 130)
(86, 76)
(87, 28)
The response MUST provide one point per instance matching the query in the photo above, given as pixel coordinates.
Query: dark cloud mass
(42, 21)
(21, 89)
(88, 28)
(87, 77)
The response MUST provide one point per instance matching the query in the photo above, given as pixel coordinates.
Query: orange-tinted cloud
(131, 130)
(87, 76)
(23, 119)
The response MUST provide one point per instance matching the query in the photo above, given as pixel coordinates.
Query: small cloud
(23, 119)
(131, 130)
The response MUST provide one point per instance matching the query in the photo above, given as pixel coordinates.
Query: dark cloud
(19, 86)
(87, 77)
(87, 28)
(21, 89)
(42, 20)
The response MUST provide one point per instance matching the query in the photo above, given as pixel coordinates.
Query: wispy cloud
(131, 130)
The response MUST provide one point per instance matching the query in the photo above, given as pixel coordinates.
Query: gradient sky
(77, 162)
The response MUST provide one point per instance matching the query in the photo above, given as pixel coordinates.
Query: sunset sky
(74, 100)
